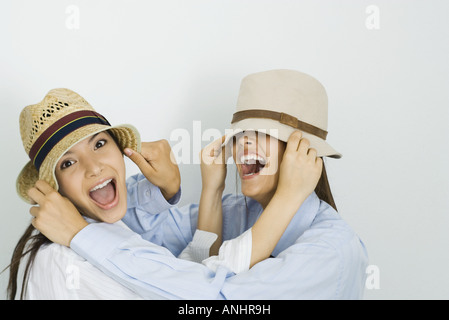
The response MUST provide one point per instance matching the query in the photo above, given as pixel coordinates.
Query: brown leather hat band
(282, 118)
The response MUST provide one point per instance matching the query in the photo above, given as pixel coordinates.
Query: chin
(111, 217)
(260, 188)
(251, 190)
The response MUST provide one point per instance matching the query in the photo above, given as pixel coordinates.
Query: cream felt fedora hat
(277, 102)
(51, 127)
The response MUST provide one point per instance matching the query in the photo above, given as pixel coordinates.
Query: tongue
(104, 195)
(249, 168)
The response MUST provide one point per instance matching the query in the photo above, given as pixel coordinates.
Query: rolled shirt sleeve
(233, 254)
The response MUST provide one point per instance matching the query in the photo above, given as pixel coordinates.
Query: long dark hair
(29, 244)
(323, 189)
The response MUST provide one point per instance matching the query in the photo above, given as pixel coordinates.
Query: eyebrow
(90, 141)
(93, 137)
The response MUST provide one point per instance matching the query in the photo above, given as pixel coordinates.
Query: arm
(299, 173)
(213, 175)
(208, 236)
(144, 267)
(269, 228)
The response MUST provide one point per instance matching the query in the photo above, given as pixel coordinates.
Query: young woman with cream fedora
(278, 138)
(286, 209)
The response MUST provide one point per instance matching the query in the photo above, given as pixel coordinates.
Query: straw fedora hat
(277, 102)
(51, 127)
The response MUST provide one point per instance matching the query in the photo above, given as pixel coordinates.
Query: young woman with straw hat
(76, 164)
(315, 254)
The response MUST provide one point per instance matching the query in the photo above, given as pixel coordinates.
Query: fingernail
(128, 152)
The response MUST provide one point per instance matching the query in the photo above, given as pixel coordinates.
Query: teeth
(101, 185)
(251, 159)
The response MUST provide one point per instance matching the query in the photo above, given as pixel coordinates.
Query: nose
(93, 167)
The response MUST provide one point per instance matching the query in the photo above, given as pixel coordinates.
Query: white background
(161, 65)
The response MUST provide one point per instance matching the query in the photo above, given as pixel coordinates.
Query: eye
(100, 143)
(67, 163)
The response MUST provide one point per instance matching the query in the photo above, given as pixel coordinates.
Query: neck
(264, 199)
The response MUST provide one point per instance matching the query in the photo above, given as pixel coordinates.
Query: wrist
(168, 194)
(171, 190)
(289, 199)
(212, 191)
(75, 229)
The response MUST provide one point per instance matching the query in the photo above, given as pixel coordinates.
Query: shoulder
(334, 234)
(58, 272)
(56, 253)
(49, 271)
(53, 262)
(332, 228)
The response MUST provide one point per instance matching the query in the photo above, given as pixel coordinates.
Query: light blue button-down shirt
(318, 256)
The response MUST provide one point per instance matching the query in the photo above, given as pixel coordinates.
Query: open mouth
(105, 194)
(251, 165)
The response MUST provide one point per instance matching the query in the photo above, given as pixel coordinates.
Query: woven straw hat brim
(126, 135)
(281, 132)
